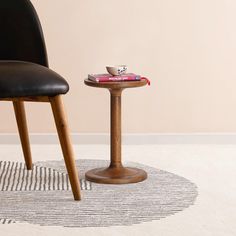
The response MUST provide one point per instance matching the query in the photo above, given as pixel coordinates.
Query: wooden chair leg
(23, 132)
(66, 145)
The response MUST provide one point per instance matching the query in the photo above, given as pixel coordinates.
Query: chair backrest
(21, 36)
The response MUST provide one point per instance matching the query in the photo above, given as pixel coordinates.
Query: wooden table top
(116, 84)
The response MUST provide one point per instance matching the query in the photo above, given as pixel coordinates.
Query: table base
(114, 175)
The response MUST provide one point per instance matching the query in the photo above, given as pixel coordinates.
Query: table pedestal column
(116, 173)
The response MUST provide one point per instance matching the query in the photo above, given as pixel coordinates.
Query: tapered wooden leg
(66, 145)
(23, 132)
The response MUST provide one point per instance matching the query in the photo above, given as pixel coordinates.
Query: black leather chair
(25, 76)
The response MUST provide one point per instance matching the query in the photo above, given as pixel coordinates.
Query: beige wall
(186, 47)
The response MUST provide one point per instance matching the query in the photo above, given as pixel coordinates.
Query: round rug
(43, 196)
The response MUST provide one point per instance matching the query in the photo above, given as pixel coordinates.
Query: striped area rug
(15, 177)
(42, 196)
(6, 221)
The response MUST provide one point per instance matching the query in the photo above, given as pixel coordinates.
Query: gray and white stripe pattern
(161, 195)
(6, 221)
(15, 177)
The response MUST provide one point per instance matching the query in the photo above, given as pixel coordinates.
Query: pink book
(110, 78)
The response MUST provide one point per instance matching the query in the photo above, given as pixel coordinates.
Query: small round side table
(116, 173)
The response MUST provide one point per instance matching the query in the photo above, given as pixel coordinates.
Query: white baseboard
(128, 139)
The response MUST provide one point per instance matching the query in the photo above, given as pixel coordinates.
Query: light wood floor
(211, 167)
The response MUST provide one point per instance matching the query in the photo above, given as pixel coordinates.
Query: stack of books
(110, 78)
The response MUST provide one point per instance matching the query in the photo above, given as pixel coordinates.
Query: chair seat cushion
(22, 79)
